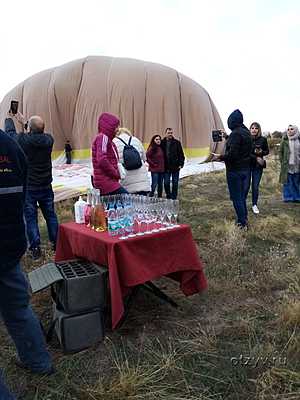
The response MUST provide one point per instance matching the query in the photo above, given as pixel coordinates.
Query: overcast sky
(244, 53)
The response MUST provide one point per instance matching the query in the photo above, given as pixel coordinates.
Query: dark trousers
(238, 186)
(21, 323)
(45, 199)
(69, 157)
(171, 193)
(157, 182)
(291, 189)
(121, 190)
(254, 181)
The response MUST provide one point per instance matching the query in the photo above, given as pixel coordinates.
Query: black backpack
(131, 157)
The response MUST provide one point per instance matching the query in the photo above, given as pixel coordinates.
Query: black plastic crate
(84, 286)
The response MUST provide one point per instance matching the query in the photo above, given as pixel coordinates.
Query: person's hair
(256, 125)
(168, 129)
(123, 130)
(36, 124)
(152, 140)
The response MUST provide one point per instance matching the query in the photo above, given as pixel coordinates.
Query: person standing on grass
(155, 159)
(260, 149)
(174, 161)
(21, 323)
(135, 180)
(68, 152)
(237, 157)
(37, 145)
(105, 156)
(289, 156)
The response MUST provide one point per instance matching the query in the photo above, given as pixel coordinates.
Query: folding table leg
(127, 304)
(159, 293)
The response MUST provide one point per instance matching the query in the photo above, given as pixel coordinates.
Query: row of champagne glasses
(135, 215)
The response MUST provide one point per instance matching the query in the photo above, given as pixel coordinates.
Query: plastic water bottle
(79, 208)
(112, 222)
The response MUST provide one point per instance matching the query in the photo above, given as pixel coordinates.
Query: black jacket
(175, 157)
(261, 143)
(238, 147)
(13, 175)
(38, 149)
(68, 148)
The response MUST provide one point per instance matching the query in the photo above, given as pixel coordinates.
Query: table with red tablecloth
(136, 260)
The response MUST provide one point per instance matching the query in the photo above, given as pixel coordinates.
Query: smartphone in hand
(14, 104)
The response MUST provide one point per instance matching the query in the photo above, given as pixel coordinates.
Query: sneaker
(36, 253)
(255, 209)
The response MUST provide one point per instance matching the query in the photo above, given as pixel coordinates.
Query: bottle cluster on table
(126, 215)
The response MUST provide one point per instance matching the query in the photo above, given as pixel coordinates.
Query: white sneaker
(255, 209)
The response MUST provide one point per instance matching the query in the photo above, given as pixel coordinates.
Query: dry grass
(199, 351)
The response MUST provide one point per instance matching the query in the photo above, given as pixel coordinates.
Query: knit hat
(235, 119)
(107, 124)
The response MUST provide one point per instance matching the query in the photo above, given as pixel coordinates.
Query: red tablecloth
(135, 260)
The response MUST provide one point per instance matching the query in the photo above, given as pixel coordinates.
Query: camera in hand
(258, 150)
(217, 136)
(14, 107)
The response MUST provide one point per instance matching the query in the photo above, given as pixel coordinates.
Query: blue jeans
(255, 177)
(4, 392)
(45, 199)
(157, 182)
(121, 190)
(171, 194)
(238, 185)
(21, 323)
(291, 189)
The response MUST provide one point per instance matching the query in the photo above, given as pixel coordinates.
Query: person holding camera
(37, 145)
(237, 158)
(260, 149)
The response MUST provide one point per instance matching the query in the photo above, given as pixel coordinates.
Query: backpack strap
(129, 141)
(124, 141)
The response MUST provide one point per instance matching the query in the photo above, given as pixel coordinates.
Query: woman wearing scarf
(289, 155)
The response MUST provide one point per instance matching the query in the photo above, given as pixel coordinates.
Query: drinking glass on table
(176, 212)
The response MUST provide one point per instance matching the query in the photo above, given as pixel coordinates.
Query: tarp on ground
(72, 180)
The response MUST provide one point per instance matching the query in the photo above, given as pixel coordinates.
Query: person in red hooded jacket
(105, 157)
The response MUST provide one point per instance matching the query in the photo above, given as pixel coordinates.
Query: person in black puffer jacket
(37, 146)
(260, 149)
(21, 322)
(237, 157)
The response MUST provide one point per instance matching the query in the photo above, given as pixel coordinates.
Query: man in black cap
(237, 158)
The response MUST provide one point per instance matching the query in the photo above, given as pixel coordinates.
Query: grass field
(240, 340)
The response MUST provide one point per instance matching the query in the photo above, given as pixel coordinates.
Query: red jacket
(155, 159)
(105, 164)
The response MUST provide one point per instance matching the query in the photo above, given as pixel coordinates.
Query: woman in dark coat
(155, 159)
(260, 149)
